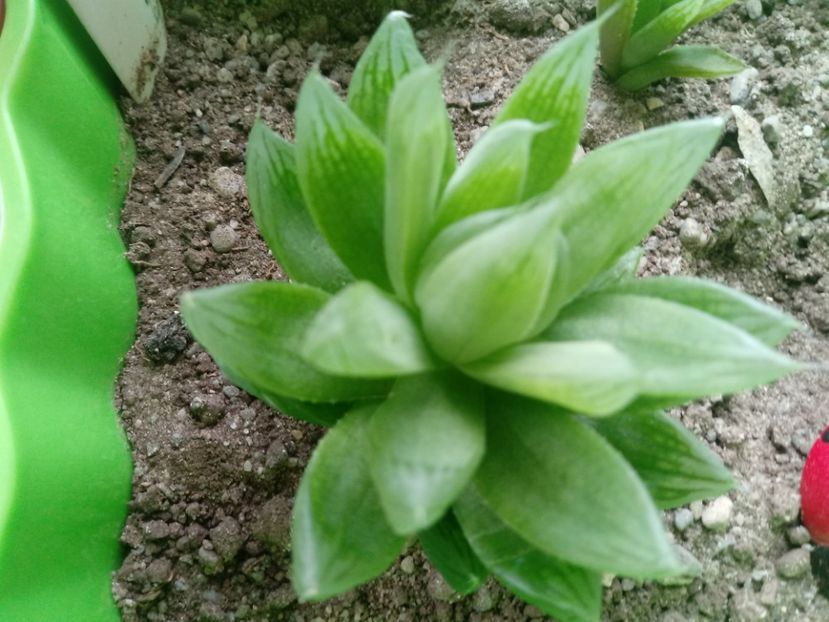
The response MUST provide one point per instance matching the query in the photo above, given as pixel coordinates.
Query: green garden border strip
(67, 315)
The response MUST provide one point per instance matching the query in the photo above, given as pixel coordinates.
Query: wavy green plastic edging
(67, 314)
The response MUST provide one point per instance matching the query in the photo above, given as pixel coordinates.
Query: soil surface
(216, 470)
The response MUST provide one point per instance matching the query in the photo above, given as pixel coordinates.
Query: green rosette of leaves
(490, 369)
(637, 36)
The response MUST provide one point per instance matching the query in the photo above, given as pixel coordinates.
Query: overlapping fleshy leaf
(256, 330)
(554, 92)
(339, 534)
(282, 216)
(427, 440)
(675, 466)
(341, 169)
(568, 592)
(416, 172)
(449, 551)
(564, 489)
(390, 55)
(365, 332)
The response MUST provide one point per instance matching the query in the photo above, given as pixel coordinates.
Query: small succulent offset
(635, 41)
(491, 371)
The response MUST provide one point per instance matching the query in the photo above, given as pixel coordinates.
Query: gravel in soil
(215, 470)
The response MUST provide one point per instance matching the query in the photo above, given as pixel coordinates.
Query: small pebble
(785, 506)
(483, 600)
(168, 339)
(226, 183)
(808, 131)
(227, 538)
(194, 260)
(224, 75)
(207, 409)
(771, 129)
(741, 85)
(744, 607)
(160, 570)
(691, 234)
(272, 525)
(717, 516)
(561, 23)
(793, 564)
(683, 518)
(156, 530)
(407, 565)
(481, 98)
(754, 9)
(191, 16)
(802, 442)
(223, 238)
(654, 103)
(798, 535)
(768, 593)
(440, 590)
(210, 220)
(210, 562)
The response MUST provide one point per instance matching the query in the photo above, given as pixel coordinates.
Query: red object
(814, 490)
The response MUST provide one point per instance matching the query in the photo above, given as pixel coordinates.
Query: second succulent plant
(637, 38)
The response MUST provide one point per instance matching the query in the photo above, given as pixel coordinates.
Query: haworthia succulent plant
(474, 336)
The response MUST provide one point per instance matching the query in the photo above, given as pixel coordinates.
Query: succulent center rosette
(491, 371)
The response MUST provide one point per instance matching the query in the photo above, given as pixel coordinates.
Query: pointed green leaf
(419, 141)
(255, 330)
(710, 8)
(559, 485)
(493, 175)
(452, 237)
(555, 91)
(615, 32)
(391, 54)
(341, 167)
(590, 377)
(339, 536)
(623, 270)
(680, 352)
(280, 213)
(489, 290)
(364, 332)
(616, 194)
(646, 12)
(682, 61)
(764, 322)
(660, 33)
(675, 466)
(427, 439)
(564, 591)
(447, 549)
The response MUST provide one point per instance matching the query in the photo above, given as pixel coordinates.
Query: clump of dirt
(216, 470)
